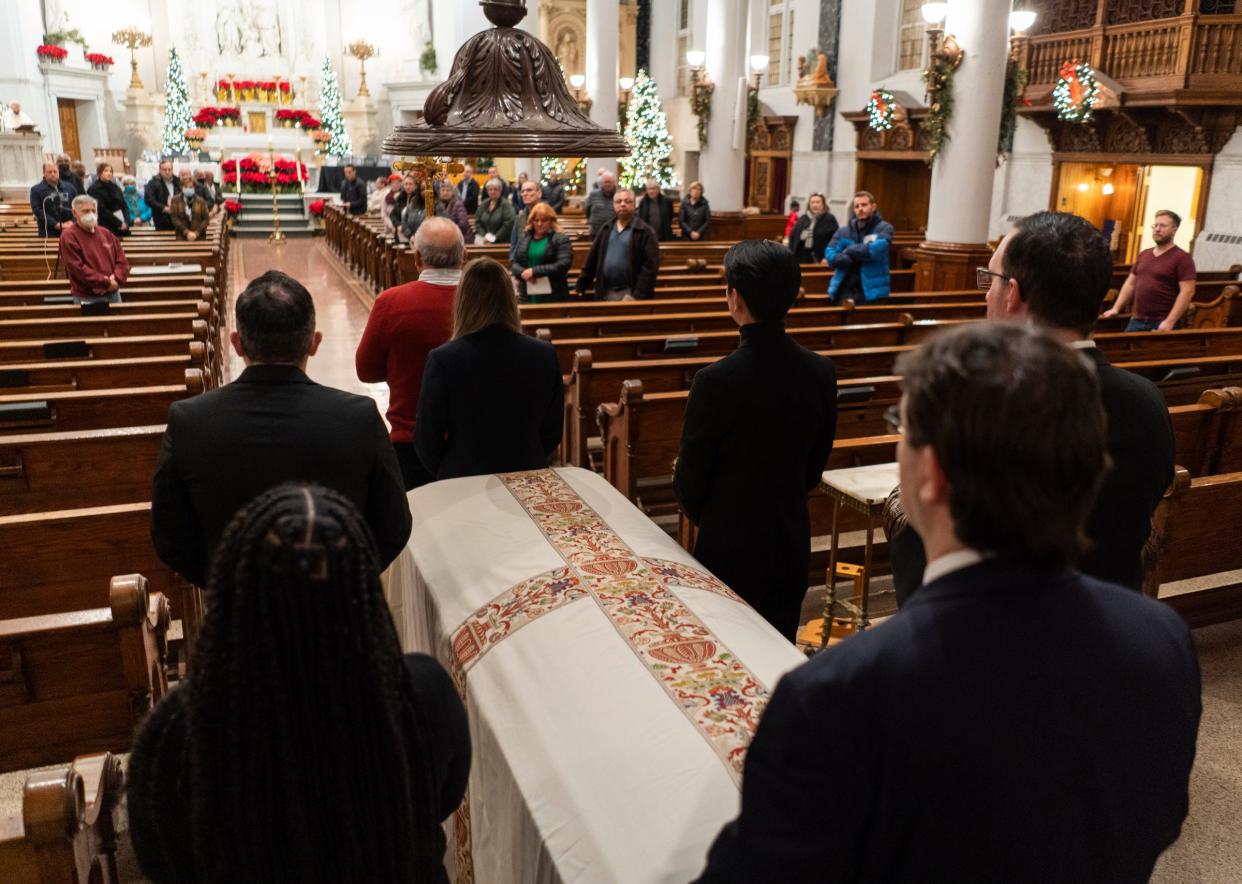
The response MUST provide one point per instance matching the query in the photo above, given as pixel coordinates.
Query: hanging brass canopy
(505, 96)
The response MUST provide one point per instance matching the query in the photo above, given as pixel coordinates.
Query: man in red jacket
(408, 322)
(93, 257)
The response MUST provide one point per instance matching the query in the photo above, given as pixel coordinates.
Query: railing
(1217, 47)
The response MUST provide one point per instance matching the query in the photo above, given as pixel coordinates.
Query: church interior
(598, 618)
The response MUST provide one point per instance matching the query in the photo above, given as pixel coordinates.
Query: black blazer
(354, 196)
(556, 263)
(1007, 725)
(825, 226)
(110, 199)
(491, 402)
(1140, 445)
(644, 261)
(159, 784)
(157, 194)
(658, 213)
(758, 430)
(271, 425)
(469, 194)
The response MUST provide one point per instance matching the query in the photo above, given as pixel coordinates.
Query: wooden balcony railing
(1186, 52)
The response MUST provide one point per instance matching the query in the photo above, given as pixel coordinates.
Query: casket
(612, 684)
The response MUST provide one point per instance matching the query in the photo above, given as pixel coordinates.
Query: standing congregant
(50, 201)
(1162, 282)
(94, 260)
(624, 258)
(159, 193)
(657, 210)
(468, 190)
(858, 254)
(189, 210)
(758, 431)
(353, 192)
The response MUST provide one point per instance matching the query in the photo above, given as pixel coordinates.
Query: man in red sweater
(408, 322)
(93, 257)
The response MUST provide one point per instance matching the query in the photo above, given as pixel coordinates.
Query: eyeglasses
(983, 278)
(892, 417)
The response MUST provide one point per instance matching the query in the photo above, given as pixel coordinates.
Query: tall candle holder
(362, 50)
(277, 238)
(133, 39)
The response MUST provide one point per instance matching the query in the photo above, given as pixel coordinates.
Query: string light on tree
(880, 110)
(1076, 92)
(551, 164)
(177, 115)
(330, 111)
(647, 135)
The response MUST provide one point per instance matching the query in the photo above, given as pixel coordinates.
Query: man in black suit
(159, 193)
(1016, 721)
(469, 190)
(354, 192)
(758, 431)
(271, 425)
(1054, 269)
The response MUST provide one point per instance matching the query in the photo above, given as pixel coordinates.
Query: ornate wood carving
(1123, 135)
(1177, 135)
(1189, 132)
(1056, 16)
(1078, 139)
(1122, 12)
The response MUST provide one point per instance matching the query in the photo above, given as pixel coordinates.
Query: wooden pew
(95, 409)
(55, 349)
(97, 374)
(66, 831)
(109, 326)
(1194, 534)
(40, 471)
(79, 682)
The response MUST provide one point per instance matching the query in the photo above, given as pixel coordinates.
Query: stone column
(722, 163)
(961, 189)
(602, 22)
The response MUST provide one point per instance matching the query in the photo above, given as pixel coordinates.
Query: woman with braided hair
(303, 747)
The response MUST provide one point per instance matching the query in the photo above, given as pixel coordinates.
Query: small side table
(863, 490)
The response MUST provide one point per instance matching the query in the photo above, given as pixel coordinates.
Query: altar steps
(258, 219)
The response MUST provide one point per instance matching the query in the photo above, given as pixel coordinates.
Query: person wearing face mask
(139, 211)
(94, 260)
(114, 214)
(189, 211)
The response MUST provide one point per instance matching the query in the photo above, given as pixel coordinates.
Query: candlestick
(277, 238)
(133, 39)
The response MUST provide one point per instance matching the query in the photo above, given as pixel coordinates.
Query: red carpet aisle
(340, 314)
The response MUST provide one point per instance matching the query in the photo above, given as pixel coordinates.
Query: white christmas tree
(646, 133)
(551, 164)
(177, 116)
(330, 111)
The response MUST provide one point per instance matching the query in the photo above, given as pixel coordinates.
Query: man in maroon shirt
(93, 257)
(1162, 281)
(406, 323)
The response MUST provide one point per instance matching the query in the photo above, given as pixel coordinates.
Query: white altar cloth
(605, 750)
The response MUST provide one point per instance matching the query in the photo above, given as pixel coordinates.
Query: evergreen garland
(646, 133)
(330, 111)
(701, 106)
(1015, 82)
(939, 80)
(752, 116)
(177, 115)
(1076, 92)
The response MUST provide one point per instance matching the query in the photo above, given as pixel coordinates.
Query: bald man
(408, 322)
(599, 209)
(50, 201)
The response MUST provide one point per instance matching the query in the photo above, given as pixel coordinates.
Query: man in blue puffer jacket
(858, 253)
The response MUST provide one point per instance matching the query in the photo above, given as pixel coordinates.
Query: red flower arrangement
(285, 87)
(55, 53)
(297, 118)
(98, 59)
(233, 207)
(316, 208)
(256, 174)
(209, 117)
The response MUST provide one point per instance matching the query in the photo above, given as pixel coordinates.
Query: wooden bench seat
(196, 307)
(98, 374)
(80, 682)
(109, 326)
(40, 472)
(95, 409)
(65, 832)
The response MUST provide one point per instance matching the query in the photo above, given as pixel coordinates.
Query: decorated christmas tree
(330, 111)
(177, 116)
(646, 132)
(551, 164)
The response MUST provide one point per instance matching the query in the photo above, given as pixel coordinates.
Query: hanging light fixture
(505, 96)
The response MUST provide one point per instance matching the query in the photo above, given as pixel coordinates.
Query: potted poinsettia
(99, 61)
(50, 52)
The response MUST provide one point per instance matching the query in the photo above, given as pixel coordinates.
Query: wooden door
(902, 189)
(67, 110)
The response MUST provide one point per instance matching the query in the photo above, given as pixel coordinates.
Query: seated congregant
(1016, 721)
(189, 211)
(1054, 269)
(50, 201)
(758, 430)
(624, 259)
(272, 424)
(406, 323)
(114, 213)
(304, 746)
(542, 259)
(492, 400)
(94, 260)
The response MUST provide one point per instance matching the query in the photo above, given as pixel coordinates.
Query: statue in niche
(244, 26)
(230, 28)
(567, 50)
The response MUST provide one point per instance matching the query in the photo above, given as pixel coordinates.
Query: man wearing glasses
(1162, 281)
(1054, 270)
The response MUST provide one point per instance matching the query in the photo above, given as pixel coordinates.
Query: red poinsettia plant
(316, 208)
(56, 53)
(257, 173)
(233, 207)
(98, 59)
(299, 118)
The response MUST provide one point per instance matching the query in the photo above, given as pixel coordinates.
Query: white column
(602, 23)
(722, 163)
(961, 189)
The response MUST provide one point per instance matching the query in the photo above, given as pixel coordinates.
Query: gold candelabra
(277, 237)
(133, 39)
(362, 50)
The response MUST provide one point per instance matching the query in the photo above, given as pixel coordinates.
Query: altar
(612, 684)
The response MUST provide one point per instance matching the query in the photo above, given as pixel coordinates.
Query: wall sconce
(1108, 189)
(701, 89)
(942, 49)
(1020, 21)
(625, 86)
(758, 64)
(577, 82)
